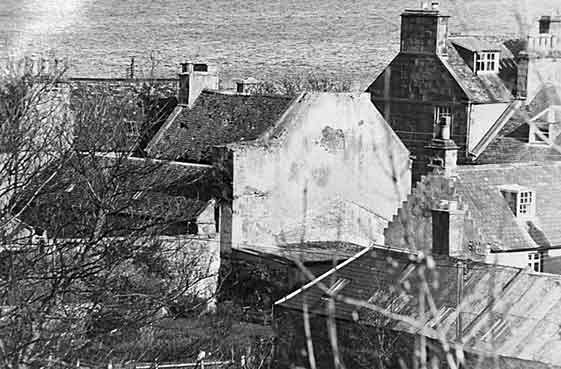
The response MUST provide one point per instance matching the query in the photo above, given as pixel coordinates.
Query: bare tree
(89, 248)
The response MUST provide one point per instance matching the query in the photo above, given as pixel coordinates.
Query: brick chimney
(448, 229)
(425, 30)
(193, 79)
(444, 152)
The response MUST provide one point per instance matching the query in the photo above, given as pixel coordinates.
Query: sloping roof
(526, 304)
(510, 143)
(476, 44)
(215, 119)
(119, 114)
(479, 186)
(66, 199)
(481, 87)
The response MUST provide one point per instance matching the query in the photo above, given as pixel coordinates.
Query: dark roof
(526, 304)
(481, 87)
(119, 114)
(137, 196)
(475, 44)
(216, 119)
(315, 251)
(479, 186)
(510, 143)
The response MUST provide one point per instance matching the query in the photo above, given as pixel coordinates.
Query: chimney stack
(448, 229)
(425, 30)
(444, 152)
(247, 86)
(522, 66)
(193, 79)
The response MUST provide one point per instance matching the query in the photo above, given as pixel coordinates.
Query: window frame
(486, 61)
(544, 128)
(521, 201)
(535, 260)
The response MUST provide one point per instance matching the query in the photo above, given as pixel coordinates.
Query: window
(521, 200)
(335, 288)
(486, 62)
(525, 201)
(131, 128)
(535, 261)
(539, 133)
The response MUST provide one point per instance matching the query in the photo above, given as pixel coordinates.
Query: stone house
(498, 94)
(112, 200)
(497, 213)
(490, 310)
(313, 168)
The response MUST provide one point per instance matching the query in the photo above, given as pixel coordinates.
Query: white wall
(326, 173)
(483, 116)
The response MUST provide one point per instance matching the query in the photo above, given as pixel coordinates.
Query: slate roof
(476, 44)
(137, 196)
(215, 119)
(523, 322)
(481, 88)
(510, 143)
(479, 187)
(106, 111)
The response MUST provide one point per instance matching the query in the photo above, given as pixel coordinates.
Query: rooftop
(216, 119)
(480, 188)
(134, 195)
(526, 304)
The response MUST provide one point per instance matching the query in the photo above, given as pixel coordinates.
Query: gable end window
(487, 62)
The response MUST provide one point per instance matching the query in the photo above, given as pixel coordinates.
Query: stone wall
(411, 228)
(335, 172)
(408, 91)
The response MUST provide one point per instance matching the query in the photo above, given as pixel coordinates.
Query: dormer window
(487, 62)
(521, 200)
(544, 127)
(539, 133)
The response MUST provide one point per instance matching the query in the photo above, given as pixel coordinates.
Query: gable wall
(411, 228)
(332, 170)
(407, 92)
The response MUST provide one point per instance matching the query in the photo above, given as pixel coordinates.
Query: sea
(342, 39)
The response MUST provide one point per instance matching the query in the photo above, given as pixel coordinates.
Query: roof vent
(435, 5)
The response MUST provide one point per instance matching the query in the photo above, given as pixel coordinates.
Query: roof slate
(216, 119)
(136, 195)
(476, 44)
(510, 144)
(528, 303)
(481, 88)
(479, 187)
